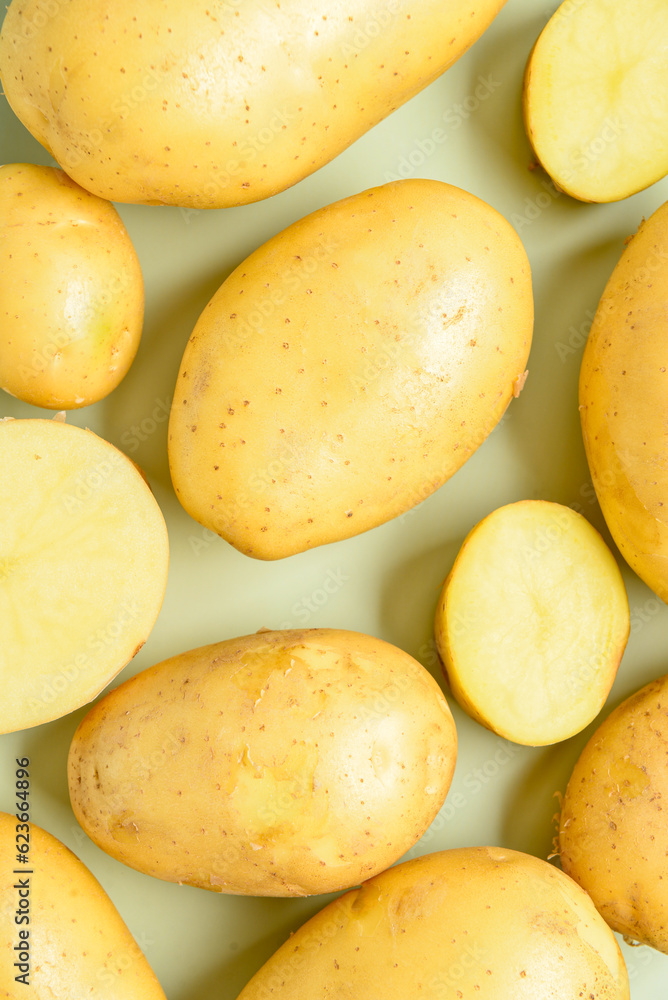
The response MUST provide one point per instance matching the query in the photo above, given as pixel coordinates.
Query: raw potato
(623, 401)
(209, 105)
(612, 834)
(276, 764)
(532, 622)
(83, 568)
(473, 922)
(596, 97)
(78, 945)
(349, 367)
(71, 290)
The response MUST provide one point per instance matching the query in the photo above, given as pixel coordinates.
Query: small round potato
(475, 922)
(532, 622)
(71, 290)
(276, 764)
(613, 831)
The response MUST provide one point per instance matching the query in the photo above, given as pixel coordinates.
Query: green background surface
(203, 945)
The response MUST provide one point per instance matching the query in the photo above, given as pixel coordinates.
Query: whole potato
(471, 922)
(216, 104)
(613, 830)
(276, 764)
(71, 290)
(60, 931)
(623, 400)
(349, 367)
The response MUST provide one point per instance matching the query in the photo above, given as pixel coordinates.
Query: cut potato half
(596, 97)
(532, 622)
(83, 568)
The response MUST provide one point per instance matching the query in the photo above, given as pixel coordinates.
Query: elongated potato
(473, 922)
(623, 399)
(612, 831)
(60, 934)
(349, 367)
(210, 105)
(532, 622)
(277, 764)
(596, 97)
(83, 568)
(71, 290)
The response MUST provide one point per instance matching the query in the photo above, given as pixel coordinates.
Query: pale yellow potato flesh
(279, 764)
(596, 97)
(623, 398)
(209, 106)
(71, 290)
(348, 367)
(612, 831)
(479, 922)
(532, 622)
(79, 946)
(83, 568)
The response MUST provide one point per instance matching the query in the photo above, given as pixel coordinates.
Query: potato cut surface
(532, 622)
(596, 97)
(83, 567)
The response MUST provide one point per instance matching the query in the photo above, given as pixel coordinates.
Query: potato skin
(612, 831)
(71, 290)
(278, 764)
(470, 922)
(210, 105)
(623, 393)
(349, 367)
(80, 946)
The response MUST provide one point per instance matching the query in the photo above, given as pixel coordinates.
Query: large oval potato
(613, 830)
(71, 290)
(349, 367)
(60, 932)
(472, 922)
(224, 103)
(277, 764)
(623, 401)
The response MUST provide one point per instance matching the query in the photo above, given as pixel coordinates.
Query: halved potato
(532, 622)
(596, 97)
(83, 568)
